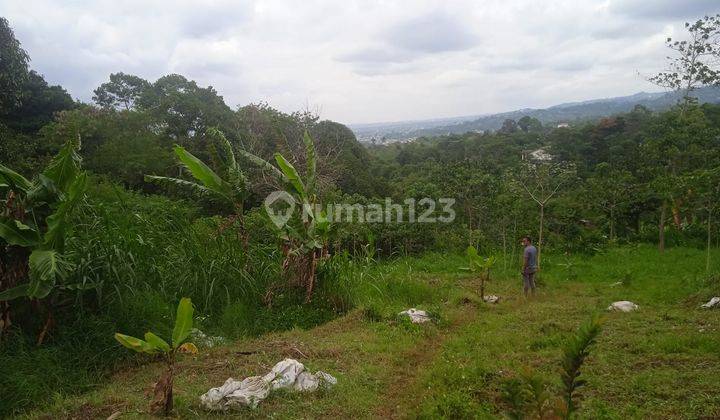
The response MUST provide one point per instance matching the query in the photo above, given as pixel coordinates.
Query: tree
(529, 124)
(230, 186)
(121, 92)
(707, 184)
(679, 142)
(34, 225)
(13, 67)
(542, 181)
(39, 103)
(182, 109)
(613, 189)
(696, 58)
(305, 234)
(479, 266)
(509, 126)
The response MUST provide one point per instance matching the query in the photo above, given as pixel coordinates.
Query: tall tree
(542, 181)
(696, 59)
(529, 124)
(13, 67)
(121, 92)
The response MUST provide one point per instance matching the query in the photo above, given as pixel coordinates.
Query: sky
(361, 61)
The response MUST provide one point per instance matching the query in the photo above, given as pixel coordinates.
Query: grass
(659, 362)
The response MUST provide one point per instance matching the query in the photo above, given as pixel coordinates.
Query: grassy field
(659, 362)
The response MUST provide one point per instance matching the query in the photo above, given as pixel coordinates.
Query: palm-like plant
(304, 235)
(306, 241)
(479, 266)
(575, 351)
(154, 345)
(229, 185)
(34, 226)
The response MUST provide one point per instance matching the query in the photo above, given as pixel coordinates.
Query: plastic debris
(417, 316)
(712, 303)
(623, 306)
(284, 374)
(287, 374)
(491, 299)
(204, 340)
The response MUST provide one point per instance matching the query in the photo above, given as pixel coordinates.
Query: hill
(562, 113)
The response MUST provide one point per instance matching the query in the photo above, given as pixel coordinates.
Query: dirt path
(402, 394)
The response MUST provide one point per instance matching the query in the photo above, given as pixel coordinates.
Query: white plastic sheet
(491, 299)
(287, 374)
(417, 316)
(203, 340)
(284, 374)
(623, 306)
(712, 303)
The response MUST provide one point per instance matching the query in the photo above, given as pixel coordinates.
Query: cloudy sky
(364, 60)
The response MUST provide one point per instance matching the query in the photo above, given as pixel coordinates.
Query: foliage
(575, 351)
(153, 344)
(13, 67)
(230, 187)
(35, 217)
(479, 266)
(696, 58)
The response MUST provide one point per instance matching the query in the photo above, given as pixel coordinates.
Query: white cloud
(361, 61)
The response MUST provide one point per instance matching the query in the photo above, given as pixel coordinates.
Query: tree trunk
(612, 223)
(504, 239)
(661, 227)
(162, 402)
(676, 214)
(540, 234)
(311, 276)
(707, 255)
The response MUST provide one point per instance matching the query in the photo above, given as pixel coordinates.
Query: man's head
(526, 241)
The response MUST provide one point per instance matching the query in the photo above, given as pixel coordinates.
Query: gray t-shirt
(530, 255)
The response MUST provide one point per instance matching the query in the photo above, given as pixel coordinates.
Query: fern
(575, 351)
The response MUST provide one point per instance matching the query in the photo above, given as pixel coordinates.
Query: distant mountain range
(572, 112)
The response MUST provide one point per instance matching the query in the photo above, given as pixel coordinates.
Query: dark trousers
(529, 280)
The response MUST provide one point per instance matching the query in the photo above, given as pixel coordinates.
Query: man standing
(529, 265)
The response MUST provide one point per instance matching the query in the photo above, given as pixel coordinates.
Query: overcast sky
(361, 61)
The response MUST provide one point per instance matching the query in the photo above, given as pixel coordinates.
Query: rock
(417, 316)
(712, 303)
(491, 299)
(287, 374)
(623, 306)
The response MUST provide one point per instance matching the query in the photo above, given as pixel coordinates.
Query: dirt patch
(403, 392)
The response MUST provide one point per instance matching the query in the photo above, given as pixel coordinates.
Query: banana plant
(479, 266)
(304, 235)
(154, 345)
(229, 186)
(34, 226)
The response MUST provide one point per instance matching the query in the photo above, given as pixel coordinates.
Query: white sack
(284, 373)
(234, 393)
(308, 382)
(623, 306)
(491, 299)
(712, 303)
(417, 316)
(289, 374)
